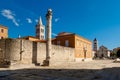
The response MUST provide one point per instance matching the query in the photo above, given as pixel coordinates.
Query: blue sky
(88, 18)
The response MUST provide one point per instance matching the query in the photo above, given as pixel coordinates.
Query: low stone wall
(15, 50)
(25, 51)
(58, 53)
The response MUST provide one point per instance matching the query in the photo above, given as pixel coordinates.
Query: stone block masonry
(2, 50)
(28, 52)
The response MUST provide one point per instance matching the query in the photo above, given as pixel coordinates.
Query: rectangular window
(66, 43)
(2, 30)
(1, 37)
(41, 30)
(58, 42)
(41, 37)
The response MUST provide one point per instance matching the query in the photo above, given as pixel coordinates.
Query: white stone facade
(102, 52)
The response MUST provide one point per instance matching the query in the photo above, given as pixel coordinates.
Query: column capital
(49, 14)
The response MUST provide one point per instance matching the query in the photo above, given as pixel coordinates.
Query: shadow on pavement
(61, 74)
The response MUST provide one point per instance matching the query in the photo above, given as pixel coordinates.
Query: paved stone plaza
(94, 70)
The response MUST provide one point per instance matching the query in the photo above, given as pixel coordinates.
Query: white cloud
(36, 20)
(9, 15)
(29, 20)
(57, 19)
(54, 34)
(14, 21)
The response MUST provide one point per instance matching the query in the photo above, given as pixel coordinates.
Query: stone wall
(25, 51)
(12, 49)
(41, 52)
(16, 50)
(58, 53)
(2, 50)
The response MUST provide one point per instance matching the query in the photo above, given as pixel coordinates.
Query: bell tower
(95, 45)
(40, 30)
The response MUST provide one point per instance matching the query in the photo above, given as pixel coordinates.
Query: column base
(46, 63)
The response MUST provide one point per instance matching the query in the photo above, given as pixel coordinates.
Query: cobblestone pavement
(94, 70)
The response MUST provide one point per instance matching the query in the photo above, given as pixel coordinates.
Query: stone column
(48, 36)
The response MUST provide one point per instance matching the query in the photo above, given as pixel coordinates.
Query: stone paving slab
(94, 70)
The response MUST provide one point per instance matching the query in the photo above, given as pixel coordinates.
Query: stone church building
(101, 52)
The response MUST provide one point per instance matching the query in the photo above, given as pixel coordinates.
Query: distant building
(40, 30)
(95, 47)
(3, 32)
(103, 52)
(83, 47)
(95, 43)
(31, 38)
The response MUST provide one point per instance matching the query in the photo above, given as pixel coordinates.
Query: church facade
(101, 52)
